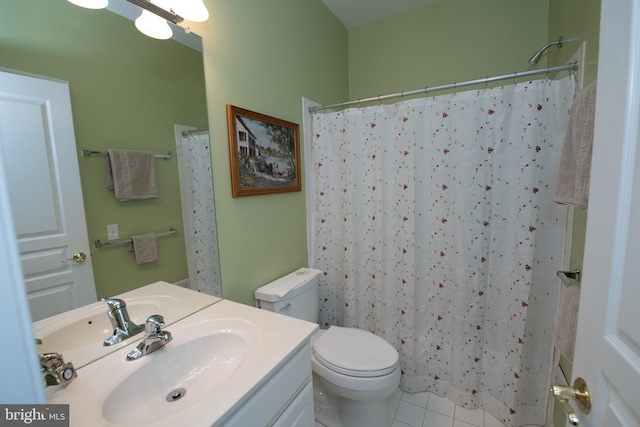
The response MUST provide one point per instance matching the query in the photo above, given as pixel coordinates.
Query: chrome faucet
(123, 327)
(56, 371)
(154, 338)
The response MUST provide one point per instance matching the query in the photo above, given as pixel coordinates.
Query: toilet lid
(355, 352)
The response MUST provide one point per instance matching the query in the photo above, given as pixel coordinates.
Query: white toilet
(354, 371)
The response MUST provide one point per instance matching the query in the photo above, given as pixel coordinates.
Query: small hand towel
(574, 173)
(145, 247)
(131, 174)
(564, 328)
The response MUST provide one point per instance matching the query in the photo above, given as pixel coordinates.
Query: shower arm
(536, 56)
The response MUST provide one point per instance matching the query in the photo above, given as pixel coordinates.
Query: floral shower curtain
(434, 225)
(200, 223)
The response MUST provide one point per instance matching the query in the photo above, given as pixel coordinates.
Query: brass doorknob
(78, 257)
(579, 392)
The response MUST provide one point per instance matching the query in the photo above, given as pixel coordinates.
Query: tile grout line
(425, 409)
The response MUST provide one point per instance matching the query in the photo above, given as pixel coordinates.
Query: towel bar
(569, 278)
(99, 244)
(88, 153)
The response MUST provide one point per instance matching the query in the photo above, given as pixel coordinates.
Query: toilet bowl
(358, 368)
(354, 371)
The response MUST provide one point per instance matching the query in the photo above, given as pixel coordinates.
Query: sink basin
(217, 361)
(78, 334)
(184, 372)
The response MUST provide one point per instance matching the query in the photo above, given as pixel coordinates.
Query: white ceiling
(354, 13)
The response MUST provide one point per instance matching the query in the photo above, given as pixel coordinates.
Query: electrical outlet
(112, 232)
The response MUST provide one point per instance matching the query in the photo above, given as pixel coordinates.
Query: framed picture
(264, 153)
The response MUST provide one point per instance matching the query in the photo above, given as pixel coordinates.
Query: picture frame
(264, 153)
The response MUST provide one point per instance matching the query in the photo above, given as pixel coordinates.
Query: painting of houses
(264, 153)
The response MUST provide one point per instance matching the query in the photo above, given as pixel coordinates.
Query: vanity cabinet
(285, 399)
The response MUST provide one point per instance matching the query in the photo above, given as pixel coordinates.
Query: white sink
(218, 357)
(78, 334)
(183, 371)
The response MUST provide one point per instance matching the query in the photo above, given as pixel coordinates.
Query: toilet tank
(295, 295)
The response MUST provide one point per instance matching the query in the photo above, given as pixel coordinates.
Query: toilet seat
(355, 353)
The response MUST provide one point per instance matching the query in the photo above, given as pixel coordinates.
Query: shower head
(536, 56)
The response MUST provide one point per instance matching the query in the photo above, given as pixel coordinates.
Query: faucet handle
(154, 324)
(114, 303)
(51, 360)
(56, 370)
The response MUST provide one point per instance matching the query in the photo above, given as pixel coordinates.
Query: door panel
(38, 143)
(607, 353)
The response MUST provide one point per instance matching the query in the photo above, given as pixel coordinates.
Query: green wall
(265, 56)
(448, 41)
(262, 56)
(127, 91)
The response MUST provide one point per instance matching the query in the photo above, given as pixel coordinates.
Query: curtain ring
(455, 87)
(514, 78)
(486, 82)
(402, 95)
(378, 100)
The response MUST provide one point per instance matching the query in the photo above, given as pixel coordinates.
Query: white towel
(564, 328)
(131, 174)
(145, 247)
(572, 186)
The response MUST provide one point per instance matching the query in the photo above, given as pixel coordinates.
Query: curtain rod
(571, 67)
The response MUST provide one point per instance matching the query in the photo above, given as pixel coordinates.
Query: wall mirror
(127, 91)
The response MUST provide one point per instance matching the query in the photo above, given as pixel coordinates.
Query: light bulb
(153, 26)
(192, 10)
(90, 4)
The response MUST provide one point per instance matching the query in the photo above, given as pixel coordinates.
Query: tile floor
(428, 410)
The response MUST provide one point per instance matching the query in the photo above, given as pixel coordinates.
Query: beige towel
(575, 164)
(131, 174)
(564, 328)
(145, 247)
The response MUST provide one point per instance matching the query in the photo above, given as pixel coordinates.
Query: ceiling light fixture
(191, 10)
(153, 25)
(158, 7)
(155, 14)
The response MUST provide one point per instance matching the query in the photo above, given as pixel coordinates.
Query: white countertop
(271, 339)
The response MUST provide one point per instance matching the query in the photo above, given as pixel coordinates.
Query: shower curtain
(433, 222)
(200, 222)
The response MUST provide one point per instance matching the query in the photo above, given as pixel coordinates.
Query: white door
(39, 153)
(607, 353)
